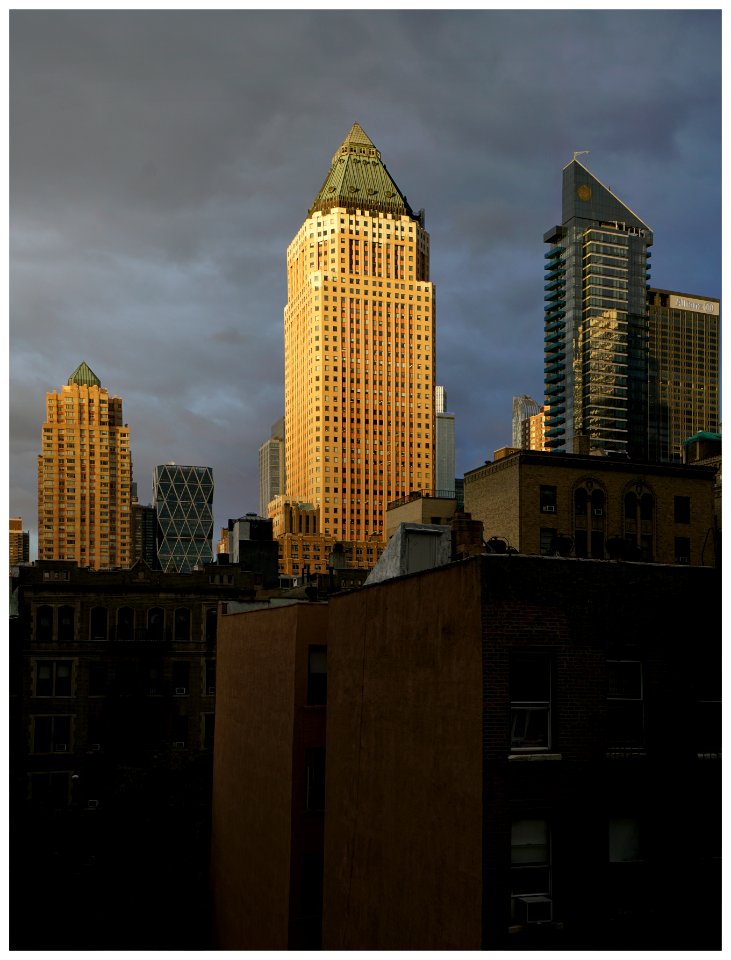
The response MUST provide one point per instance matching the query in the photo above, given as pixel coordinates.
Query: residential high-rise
(537, 430)
(271, 467)
(444, 455)
(358, 349)
(595, 342)
(19, 542)
(684, 379)
(85, 476)
(183, 500)
(523, 408)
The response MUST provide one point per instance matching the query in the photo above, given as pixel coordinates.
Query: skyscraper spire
(358, 179)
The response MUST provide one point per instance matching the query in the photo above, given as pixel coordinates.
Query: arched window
(66, 624)
(182, 625)
(44, 624)
(98, 623)
(155, 623)
(589, 520)
(125, 623)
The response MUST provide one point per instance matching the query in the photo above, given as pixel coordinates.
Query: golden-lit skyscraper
(358, 349)
(684, 362)
(85, 476)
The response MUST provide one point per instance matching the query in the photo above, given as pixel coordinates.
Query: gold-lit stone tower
(358, 352)
(85, 476)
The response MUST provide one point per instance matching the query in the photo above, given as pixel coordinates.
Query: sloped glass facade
(183, 499)
(595, 323)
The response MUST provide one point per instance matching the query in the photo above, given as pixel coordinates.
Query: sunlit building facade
(182, 497)
(85, 476)
(358, 349)
(19, 542)
(684, 351)
(595, 320)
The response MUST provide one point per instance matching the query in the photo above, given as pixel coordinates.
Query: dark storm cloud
(162, 161)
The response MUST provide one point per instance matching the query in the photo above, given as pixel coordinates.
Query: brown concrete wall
(403, 821)
(252, 778)
(420, 510)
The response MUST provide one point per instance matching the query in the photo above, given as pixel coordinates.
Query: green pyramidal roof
(358, 179)
(84, 376)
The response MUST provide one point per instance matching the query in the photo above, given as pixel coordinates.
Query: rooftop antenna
(577, 153)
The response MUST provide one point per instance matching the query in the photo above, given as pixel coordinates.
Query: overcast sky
(161, 162)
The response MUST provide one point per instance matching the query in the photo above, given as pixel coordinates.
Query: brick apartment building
(522, 753)
(602, 508)
(112, 684)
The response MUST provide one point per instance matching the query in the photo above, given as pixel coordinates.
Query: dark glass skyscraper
(595, 316)
(183, 500)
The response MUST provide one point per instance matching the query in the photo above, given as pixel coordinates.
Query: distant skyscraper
(537, 430)
(85, 476)
(144, 534)
(183, 499)
(684, 350)
(444, 445)
(271, 467)
(358, 349)
(523, 408)
(595, 352)
(19, 542)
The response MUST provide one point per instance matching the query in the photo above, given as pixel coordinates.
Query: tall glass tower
(595, 322)
(183, 500)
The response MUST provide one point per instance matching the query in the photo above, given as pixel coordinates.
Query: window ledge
(535, 756)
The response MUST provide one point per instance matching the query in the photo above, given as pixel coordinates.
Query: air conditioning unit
(92, 804)
(179, 744)
(180, 691)
(95, 747)
(549, 509)
(211, 690)
(60, 747)
(535, 909)
(598, 512)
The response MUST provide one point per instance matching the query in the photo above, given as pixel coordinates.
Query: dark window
(624, 840)
(625, 722)
(155, 623)
(98, 621)
(315, 779)
(125, 623)
(44, 624)
(50, 789)
(316, 675)
(312, 877)
(530, 703)
(181, 673)
(211, 623)
(682, 509)
(97, 679)
(66, 624)
(182, 625)
(548, 541)
(51, 734)
(682, 549)
(180, 732)
(580, 501)
(548, 499)
(154, 680)
(210, 678)
(53, 678)
(597, 544)
(581, 548)
(530, 863)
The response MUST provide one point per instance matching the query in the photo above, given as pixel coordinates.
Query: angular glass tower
(595, 322)
(183, 499)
